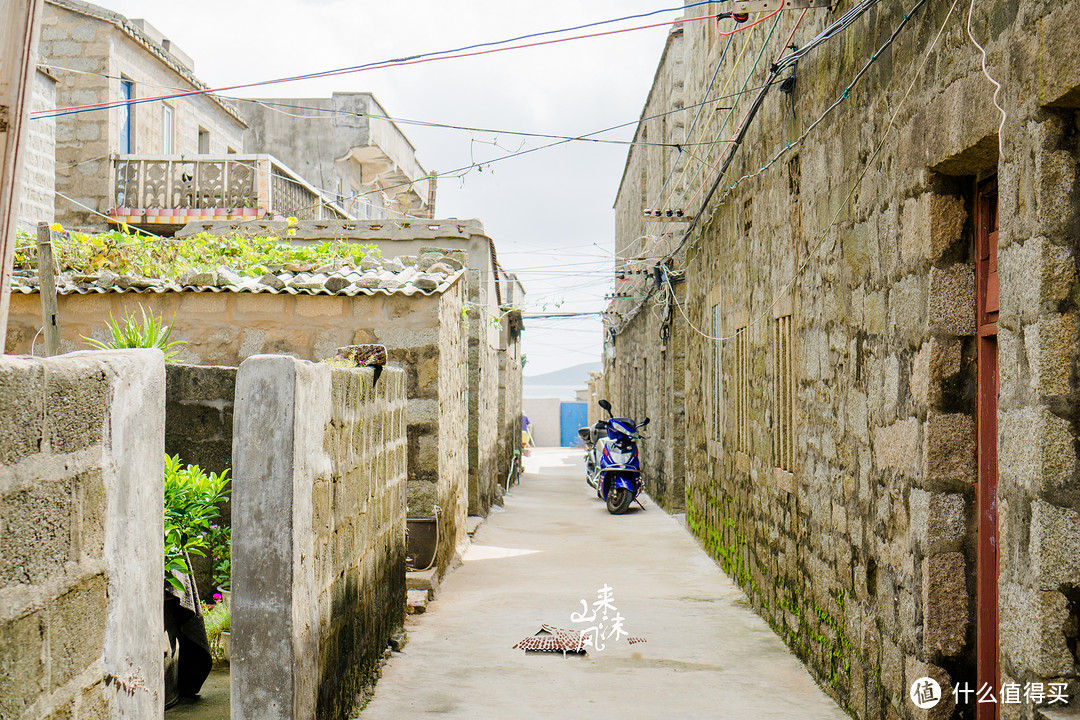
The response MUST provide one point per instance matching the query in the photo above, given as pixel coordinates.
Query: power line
(455, 54)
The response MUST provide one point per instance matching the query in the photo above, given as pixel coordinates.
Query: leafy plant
(131, 333)
(191, 498)
(170, 258)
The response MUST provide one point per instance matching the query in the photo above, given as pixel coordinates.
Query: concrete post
(318, 533)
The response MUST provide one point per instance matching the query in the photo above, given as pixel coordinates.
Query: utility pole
(19, 24)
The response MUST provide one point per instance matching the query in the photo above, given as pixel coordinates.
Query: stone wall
(81, 557)
(452, 434)
(830, 432)
(318, 536)
(510, 393)
(199, 414)
(425, 334)
(483, 410)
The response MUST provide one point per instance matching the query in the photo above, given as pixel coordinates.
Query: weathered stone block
(948, 457)
(945, 603)
(320, 306)
(22, 409)
(897, 446)
(951, 299)
(938, 520)
(1051, 352)
(931, 223)
(907, 315)
(35, 537)
(937, 360)
(1031, 630)
(77, 629)
(916, 669)
(22, 665)
(1032, 273)
(76, 404)
(1035, 450)
(1055, 545)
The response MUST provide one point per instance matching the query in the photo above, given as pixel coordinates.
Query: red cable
(747, 27)
(104, 105)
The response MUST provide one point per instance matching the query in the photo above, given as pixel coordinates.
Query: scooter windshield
(621, 426)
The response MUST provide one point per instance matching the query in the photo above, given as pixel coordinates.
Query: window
(166, 130)
(741, 378)
(204, 141)
(783, 395)
(127, 139)
(717, 373)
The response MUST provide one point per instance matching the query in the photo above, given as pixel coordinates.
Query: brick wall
(81, 562)
(857, 542)
(318, 534)
(37, 183)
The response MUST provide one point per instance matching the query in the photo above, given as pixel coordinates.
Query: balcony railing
(177, 189)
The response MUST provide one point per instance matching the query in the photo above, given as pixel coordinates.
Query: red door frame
(987, 291)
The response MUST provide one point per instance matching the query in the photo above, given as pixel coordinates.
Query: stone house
(224, 319)
(159, 165)
(873, 320)
(493, 304)
(100, 56)
(354, 153)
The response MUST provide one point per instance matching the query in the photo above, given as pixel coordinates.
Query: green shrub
(191, 498)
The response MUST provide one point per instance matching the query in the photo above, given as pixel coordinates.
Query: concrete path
(707, 654)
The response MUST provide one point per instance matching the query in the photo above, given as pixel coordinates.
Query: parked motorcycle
(590, 436)
(612, 465)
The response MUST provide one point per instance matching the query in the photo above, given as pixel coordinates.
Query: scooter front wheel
(618, 500)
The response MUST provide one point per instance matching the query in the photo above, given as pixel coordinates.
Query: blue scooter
(618, 468)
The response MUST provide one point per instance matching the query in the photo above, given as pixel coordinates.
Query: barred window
(717, 375)
(783, 395)
(741, 381)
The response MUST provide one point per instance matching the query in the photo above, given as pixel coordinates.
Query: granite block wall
(830, 345)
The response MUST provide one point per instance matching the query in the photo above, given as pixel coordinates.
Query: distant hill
(576, 376)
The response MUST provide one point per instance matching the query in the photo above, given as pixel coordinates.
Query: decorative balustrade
(177, 189)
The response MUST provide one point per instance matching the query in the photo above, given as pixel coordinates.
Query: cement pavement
(707, 654)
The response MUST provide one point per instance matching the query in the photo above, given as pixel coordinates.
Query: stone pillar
(318, 533)
(81, 557)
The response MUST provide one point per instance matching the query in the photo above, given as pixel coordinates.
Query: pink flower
(217, 597)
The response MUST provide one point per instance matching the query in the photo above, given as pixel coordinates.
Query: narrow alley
(706, 655)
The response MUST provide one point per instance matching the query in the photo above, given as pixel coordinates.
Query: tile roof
(388, 278)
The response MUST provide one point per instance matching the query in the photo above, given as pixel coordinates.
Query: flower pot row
(174, 216)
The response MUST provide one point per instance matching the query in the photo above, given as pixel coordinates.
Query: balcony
(162, 193)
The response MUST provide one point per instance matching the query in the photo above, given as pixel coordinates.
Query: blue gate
(572, 415)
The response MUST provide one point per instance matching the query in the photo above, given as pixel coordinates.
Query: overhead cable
(455, 54)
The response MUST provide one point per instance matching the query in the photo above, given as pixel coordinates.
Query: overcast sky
(549, 212)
